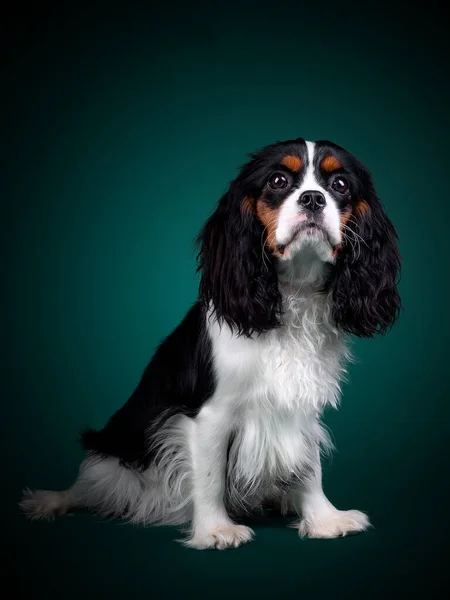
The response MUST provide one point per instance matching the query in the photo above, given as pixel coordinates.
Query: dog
(298, 256)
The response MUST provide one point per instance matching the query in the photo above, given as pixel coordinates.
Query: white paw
(227, 535)
(336, 523)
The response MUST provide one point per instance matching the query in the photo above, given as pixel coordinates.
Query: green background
(121, 129)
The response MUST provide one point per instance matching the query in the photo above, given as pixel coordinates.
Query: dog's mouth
(308, 229)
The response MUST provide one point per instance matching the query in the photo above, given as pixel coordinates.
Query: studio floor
(85, 557)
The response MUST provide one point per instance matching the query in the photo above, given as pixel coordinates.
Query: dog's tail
(46, 504)
(43, 504)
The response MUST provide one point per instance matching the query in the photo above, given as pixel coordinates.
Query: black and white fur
(227, 415)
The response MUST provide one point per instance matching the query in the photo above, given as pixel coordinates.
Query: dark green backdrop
(121, 130)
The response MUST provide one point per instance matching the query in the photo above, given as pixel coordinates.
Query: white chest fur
(275, 386)
(297, 366)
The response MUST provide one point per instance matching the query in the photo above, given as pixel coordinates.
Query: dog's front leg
(319, 518)
(211, 526)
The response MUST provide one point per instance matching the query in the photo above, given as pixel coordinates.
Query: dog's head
(301, 197)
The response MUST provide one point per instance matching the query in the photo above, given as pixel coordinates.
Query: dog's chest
(298, 365)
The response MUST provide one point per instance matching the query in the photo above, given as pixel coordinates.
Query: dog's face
(292, 196)
(311, 196)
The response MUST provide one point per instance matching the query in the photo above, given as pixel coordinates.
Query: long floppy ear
(365, 295)
(238, 276)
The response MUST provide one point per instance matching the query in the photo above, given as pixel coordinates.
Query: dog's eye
(278, 181)
(340, 184)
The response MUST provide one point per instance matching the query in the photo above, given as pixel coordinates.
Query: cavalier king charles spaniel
(298, 256)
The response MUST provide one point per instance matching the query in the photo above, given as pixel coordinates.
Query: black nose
(312, 200)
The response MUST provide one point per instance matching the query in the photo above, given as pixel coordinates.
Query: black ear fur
(364, 286)
(237, 273)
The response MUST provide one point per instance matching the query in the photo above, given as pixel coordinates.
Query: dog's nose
(312, 200)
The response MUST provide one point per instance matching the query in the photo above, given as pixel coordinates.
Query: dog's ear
(364, 287)
(238, 278)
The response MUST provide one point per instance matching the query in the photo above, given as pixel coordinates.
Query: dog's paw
(226, 535)
(336, 523)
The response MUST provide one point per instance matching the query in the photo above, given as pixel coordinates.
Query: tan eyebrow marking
(330, 163)
(292, 162)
